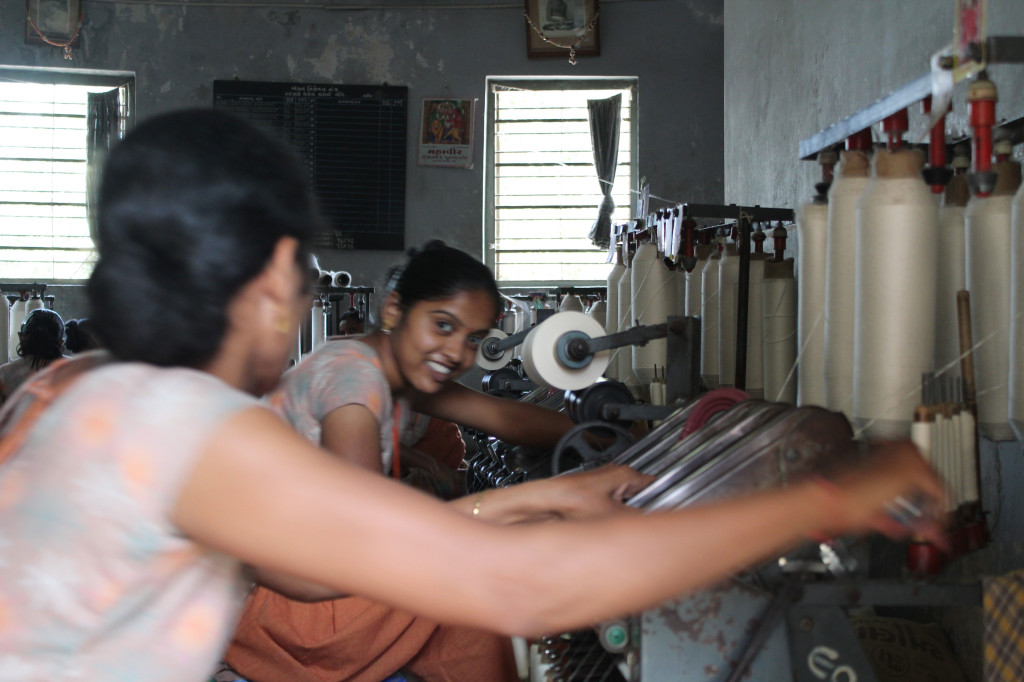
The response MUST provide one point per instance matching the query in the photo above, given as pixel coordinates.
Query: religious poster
(446, 132)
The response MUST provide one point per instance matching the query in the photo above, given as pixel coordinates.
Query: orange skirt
(356, 640)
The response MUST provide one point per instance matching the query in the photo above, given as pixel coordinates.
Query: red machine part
(894, 126)
(859, 141)
(689, 226)
(779, 235)
(936, 143)
(982, 98)
(758, 238)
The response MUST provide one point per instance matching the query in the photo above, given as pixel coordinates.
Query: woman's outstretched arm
(509, 420)
(263, 494)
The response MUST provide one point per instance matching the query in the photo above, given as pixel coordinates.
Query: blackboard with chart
(352, 140)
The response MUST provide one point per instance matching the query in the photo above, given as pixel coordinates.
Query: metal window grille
(44, 228)
(543, 193)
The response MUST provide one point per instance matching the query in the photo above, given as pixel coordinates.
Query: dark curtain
(103, 127)
(604, 137)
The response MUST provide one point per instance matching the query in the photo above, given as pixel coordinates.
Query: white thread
(812, 232)
(625, 357)
(851, 179)
(17, 316)
(487, 364)
(728, 274)
(709, 321)
(653, 289)
(988, 246)
(318, 326)
(952, 254)
(1016, 372)
(5, 327)
(895, 283)
(540, 352)
(611, 324)
(755, 326)
(599, 311)
(780, 338)
(571, 302)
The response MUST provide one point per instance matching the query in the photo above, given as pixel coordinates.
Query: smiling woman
(349, 396)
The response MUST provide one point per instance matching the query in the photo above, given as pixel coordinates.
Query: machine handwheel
(574, 449)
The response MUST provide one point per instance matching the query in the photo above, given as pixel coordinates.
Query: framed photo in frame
(446, 132)
(57, 20)
(555, 28)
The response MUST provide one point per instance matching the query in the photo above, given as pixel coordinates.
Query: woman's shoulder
(144, 385)
(348, 351)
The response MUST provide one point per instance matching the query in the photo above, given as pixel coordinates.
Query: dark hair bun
(191, 206)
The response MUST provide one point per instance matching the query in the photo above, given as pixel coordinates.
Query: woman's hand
(894, 492)
(582, 495)
(597, 492)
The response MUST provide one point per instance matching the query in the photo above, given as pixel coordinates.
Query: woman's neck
(381, 343)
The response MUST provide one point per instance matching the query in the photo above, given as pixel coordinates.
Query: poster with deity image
(446, 132)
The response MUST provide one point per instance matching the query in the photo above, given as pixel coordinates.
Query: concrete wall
(177, 51)
(794, 67)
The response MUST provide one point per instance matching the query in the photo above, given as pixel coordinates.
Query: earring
(385, 328)
(281, 323)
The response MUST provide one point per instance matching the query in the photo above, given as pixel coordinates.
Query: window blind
(545, 188)
(44, 230)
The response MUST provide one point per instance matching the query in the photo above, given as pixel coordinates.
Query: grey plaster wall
(794, 67)
(177, 50)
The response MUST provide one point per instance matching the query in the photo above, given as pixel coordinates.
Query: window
(44, 169)
(542, 192)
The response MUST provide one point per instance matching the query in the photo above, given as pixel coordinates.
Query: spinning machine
(901, 317)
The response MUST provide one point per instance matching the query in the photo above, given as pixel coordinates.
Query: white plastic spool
(851, 179)
(17, 316)
(318, 325)
(540, 352)
(779, 349)
(988, 243)
(709, 320)
(34, 303)
(952, 277)
(488, 364)
(1016, 397)
(755, 326)
(653, 287)
(895, 285)
(599, 311)
(969, 460)
(812, 233)
(5, 327)
(692, 303)
(679, 274)
(508, 320)
(611, 324)
(624, 359)
(571, 302)
(728, 276)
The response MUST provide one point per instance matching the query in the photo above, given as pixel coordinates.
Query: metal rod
(999, 50)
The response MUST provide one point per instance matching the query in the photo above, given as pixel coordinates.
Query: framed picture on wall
(446, 132)
(560, 28)
(53, 22)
